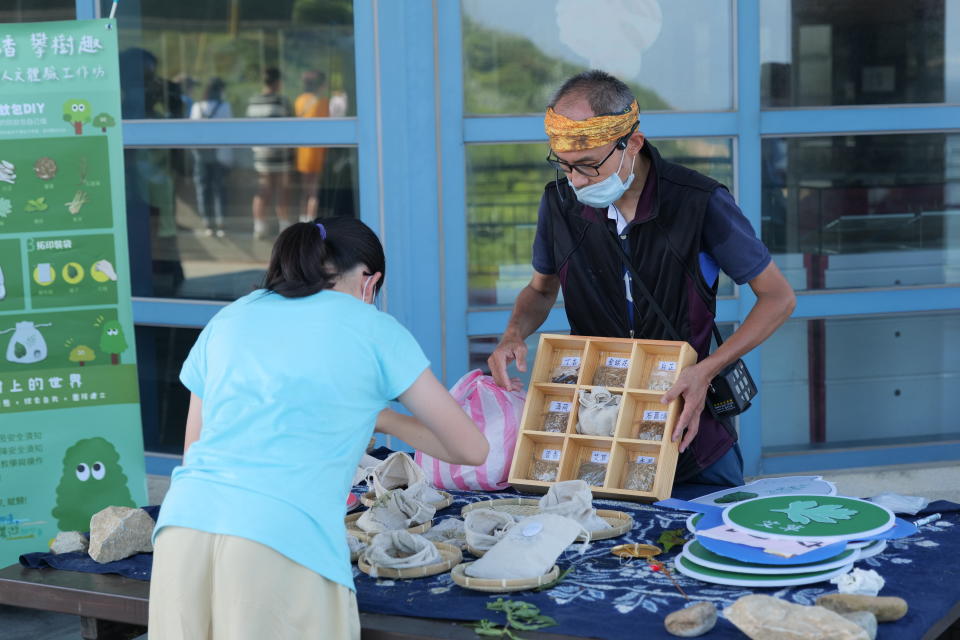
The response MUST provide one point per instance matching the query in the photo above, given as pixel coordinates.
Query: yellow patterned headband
(576, 135)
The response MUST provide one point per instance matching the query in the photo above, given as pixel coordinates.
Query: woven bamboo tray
(369, 498)
(450, 555)
(620, 521)
(501, 586)
(364, 536)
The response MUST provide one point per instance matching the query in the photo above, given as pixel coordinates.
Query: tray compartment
(550, 408)
(607, 364)
(643, 417)
(535, 454)
(552, 351)
(587, 459)
(635, 467)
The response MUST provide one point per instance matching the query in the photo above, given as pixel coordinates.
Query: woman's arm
(411, 431)
(194, 422)
(439, 427)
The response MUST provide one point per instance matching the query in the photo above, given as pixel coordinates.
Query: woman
(210, 166)
(287, 385)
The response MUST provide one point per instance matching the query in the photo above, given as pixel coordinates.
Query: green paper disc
(715, 576)
(826, 518)
(697, 553)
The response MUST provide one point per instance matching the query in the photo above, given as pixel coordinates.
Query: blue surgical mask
(601, 195)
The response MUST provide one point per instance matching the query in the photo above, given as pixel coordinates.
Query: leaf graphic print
(803, 511)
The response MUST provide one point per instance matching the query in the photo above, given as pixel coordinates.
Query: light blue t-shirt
(291, 389)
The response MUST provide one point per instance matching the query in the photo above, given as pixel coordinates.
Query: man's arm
(775, 302)
(529, 312)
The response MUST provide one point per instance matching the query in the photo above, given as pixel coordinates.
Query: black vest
(664, 247)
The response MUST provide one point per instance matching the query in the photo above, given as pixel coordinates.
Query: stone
(865, 620)
(120, 532)
(69, 541)
(885, 608)
(768, 618)
(692, 621)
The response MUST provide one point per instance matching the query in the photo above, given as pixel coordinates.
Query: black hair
(605, 94)
(271, 76)
(303, 262)
(214, 89)
(313, 80)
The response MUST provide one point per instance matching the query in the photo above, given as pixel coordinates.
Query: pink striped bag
(497, 412)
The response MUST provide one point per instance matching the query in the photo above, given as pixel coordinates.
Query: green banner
(70, 434)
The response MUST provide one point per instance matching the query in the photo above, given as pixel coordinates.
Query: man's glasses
(589, 170)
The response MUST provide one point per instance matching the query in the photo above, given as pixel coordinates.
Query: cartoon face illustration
(113, 341)
(77, 113)
(92, 479)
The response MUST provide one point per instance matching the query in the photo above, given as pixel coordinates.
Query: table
(598, 599)
(112, 607)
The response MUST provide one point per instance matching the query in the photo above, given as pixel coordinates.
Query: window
(841, 382)
(190, 212)
(863, 211)
(856, 52)
(515, 54)
(37, 10)
(171, 51)
(504, 186)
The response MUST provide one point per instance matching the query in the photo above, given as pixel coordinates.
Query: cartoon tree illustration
(77, 113)
(112, 341)
(103, 120)
(92, 480)
(82, 354)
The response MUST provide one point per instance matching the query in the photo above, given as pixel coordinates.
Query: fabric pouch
(572, 499)
(401, 550)
(395, 510)
(450, 531)
(528, 550)
(598, 412)
(485, 527)
(399, 471)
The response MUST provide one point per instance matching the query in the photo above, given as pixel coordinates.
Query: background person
(679, 229)
(273, 164)
(287, 385)
(210, 166)
(312, 103)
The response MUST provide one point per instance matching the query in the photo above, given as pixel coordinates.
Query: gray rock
(119, 532)
(69, 541)
(692, 621)
(886, 609)
(769, 618)
(865, 620)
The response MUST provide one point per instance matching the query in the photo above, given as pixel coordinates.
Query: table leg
(97, 629)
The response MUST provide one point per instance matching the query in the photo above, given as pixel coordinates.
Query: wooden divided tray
(638, 454)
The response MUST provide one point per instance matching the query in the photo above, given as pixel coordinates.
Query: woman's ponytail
(308, 257)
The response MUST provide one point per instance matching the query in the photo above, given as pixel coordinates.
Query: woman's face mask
(601, 195)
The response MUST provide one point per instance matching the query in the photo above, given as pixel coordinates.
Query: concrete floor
(933, 482)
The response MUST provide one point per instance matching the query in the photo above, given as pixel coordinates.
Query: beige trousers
(208, 586)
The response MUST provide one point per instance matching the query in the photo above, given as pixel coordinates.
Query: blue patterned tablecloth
(606, 598)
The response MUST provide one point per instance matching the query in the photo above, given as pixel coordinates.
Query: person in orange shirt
(311, 104)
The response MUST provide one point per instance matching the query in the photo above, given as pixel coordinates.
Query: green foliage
(553, 583)
(323, 11)
(36, 204)
(803, 511)
(506, 73)
(736, 496)
(672, 538)
(521, 616)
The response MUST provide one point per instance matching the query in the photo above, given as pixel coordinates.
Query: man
(677, 226)
(273, 164)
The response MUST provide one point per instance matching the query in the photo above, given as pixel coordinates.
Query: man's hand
(510, 349)
(692, 384)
